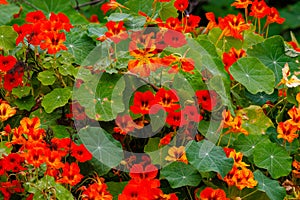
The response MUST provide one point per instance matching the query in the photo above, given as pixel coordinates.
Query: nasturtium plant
(152, 99)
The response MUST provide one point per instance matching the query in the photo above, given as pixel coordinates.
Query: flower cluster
(43, 32)
(31, 150)
(144, 184)
(239, 175)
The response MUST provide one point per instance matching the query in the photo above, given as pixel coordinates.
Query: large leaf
(206, 157)
(80, 45)
(102, 145)
(247, 144)
(21, 91)
(180, 174)
(25, 103)
(7, 38)
(253, 74)
(274, 158)
(102, 96)
(56, 98)
(271, 187)
(168, 10)
(7, 12)
(137, 5)
(254, 120)
(271, 53)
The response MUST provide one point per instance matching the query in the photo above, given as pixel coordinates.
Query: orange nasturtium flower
(287, 131)
(210, 16)
(116, 31)
(177, 154)
(71, 174)
(30, 124)
(96, 190)
(233, 25)
(234, 124)
(53, 41)
(181, 5)
(144, 50)
(241, 3)
(111, 5)
(294, 114)
(6, 111)
(209, 193)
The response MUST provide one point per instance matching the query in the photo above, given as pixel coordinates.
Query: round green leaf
(206, 156)
(56, 98)
(261, 98)
(274, 158)
(21, 91)
(180, 174)
(102, 145)
(247, 144)
(271, 53)
(168, 10)
(25, 103)
(47, 77)
(269, 186)
(254, 75)
(7, 38)
(102, 96)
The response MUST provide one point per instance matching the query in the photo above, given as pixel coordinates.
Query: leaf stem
(247, 195)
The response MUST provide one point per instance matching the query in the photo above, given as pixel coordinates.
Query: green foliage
(56, 98)
(7, 38)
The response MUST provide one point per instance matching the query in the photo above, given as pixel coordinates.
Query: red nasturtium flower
(35, 17)
(209, 193)
(71, 174)
(181, 5)
(167, 99)
(177, 63)
(166, 139)
(10, 187)
(191, 114)
(116, 31)
(7, 63)
(3, 2)
(111, 5)
(174, 38)
(80, 152)
(210, 16)
(259, 9)
(53, 42)
(124, 124)
(142, 102)
(190, 23)
(233, 25)
(172, 23)
(295, 46)
(231, 57)
(175, 119)
(96, 190)
(207, 99)
(274, 17)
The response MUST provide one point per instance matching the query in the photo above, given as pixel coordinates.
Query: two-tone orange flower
(6, 111)
(111, 5)
(234, 124)
(233, 25)
(259, 9)
(177, 154)
(241, 3)
(287, 131)
(116, 31)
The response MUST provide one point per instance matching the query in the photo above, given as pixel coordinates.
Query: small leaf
(21, 91)
(254, 75)
(46, 77)
(56, 98)
(102, 145)
(66, 70)
(206, 156)
(247, 144)
(136, 5)
(116, 17)
(269, 186)
(180, 174)
(116, 188)
(25, 103)
(274, 158)
(168, 10)
(7, 38)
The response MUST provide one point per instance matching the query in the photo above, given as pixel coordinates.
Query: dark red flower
(167, 99)
(142, 102)
(181, 5)
(175, 119)
(259, 9)
(190, 23)
(191, 113)
(174, 38)
(7, 63)
(80, 153)
(210, 193)
(35, 17)
(207, 99)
